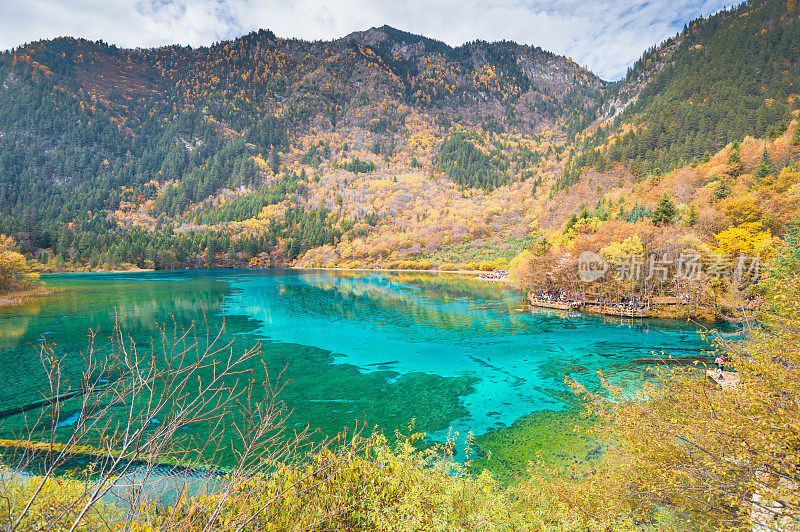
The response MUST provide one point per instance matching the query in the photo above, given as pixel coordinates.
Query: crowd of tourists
(554, 295)
(631, 303)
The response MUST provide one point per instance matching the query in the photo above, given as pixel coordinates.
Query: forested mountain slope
(721, 79)
(90, 131)
(379, 148)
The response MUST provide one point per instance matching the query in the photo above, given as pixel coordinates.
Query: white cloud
(604, 35)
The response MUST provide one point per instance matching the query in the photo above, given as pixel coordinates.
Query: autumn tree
(15, 272)
(748, 238)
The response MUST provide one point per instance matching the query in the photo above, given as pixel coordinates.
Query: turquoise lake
(452, 353)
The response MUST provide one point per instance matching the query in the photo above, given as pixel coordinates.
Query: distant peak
(376, 35)
(370, 37)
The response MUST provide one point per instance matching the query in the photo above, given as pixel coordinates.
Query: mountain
(379, 148)
(722, 78)
(90, 130)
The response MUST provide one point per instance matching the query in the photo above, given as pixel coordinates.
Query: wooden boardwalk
(559, 305)
(495, 280)
(594, 306)
(729, 379)
(624, 312)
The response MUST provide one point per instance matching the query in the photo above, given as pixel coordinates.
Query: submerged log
(8, 412)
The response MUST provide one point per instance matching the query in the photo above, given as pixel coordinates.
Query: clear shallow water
(385, 347)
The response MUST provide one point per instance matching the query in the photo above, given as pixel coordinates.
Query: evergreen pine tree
(691, 216)
(765, 166)
(665, 211)
(723, 189)
(275, 161)
(735, 161)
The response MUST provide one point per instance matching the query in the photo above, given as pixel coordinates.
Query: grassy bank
(19, 297)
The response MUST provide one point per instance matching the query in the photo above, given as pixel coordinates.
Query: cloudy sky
(604, 35)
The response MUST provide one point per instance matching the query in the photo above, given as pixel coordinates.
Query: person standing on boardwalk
(720, 362)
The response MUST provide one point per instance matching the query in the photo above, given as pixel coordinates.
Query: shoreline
(706, 317)
(132, 270)
(102, 270)
(18, 297)
(400, 270)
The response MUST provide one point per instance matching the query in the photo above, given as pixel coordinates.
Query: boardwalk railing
(624, 312)
(494, 280)
(560, 305)
(593, 306)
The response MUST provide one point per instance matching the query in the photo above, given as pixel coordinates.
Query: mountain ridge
(270, 148)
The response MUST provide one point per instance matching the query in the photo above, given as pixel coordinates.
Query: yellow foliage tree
(630, 246)
(15, 272)
(747, 239)
(742, 209)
